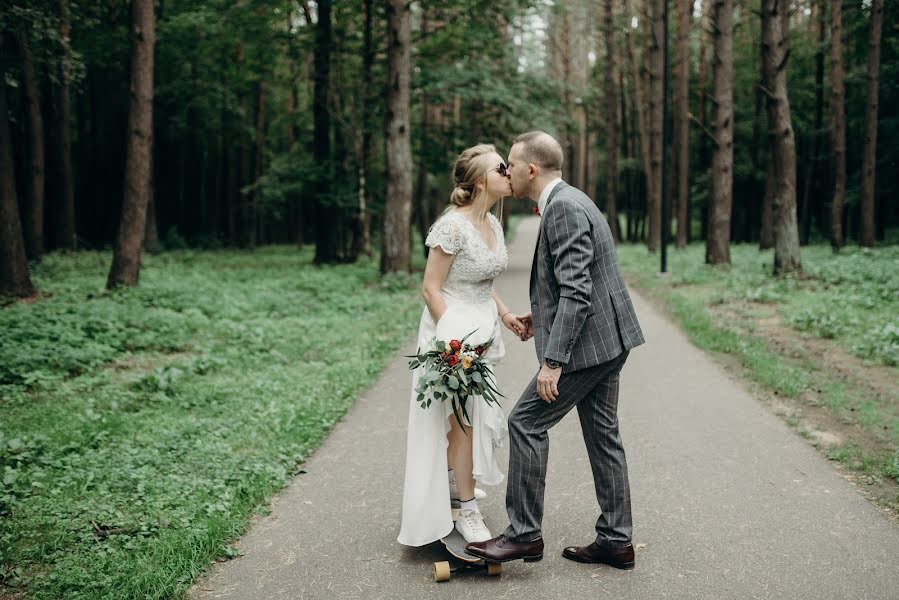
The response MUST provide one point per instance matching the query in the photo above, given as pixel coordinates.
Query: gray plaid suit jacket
(582, 311)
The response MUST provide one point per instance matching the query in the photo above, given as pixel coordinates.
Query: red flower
(453, 360)
(479, 350)
(455, 345)
(535, 210)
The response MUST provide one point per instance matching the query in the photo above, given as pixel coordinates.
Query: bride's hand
(514, 323)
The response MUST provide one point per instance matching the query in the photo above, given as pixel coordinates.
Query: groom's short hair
(541, 149)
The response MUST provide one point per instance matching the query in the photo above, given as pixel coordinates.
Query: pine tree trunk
(838, 128)
(151, 232)
(398, 208)
(639, 105)
(325, 224)
(14, 278)
(34, 216)
(766, 230)
(775, 43)
(127, 254)
(656, 118)
(611, 120)
(721, 199)
(363, 215)
(63, 178)
(682, 120)
(869, 158)
(811, 189)
(256, 208)
(704, 25)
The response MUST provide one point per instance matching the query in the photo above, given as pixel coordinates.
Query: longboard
(455, 545)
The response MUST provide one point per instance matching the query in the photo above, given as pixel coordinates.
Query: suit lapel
(552, 195)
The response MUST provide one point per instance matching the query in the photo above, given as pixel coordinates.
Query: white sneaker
(471, 525)
(479, 494)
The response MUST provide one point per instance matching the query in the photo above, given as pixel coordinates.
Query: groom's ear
(532, 170)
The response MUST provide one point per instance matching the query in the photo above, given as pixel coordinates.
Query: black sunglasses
(502, 169)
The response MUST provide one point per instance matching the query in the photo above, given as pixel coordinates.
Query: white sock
(470, 504)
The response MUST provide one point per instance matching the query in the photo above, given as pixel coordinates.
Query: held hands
(520, 325)
(514, 323)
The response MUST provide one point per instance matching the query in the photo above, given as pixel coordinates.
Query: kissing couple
(584, 324)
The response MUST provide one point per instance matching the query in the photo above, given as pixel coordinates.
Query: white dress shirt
(544, 195)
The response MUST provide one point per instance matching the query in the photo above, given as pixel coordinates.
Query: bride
(467, 254)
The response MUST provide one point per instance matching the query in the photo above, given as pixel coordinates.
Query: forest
(212, 216)
(145, 125)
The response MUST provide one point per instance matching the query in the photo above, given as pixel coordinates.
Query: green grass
(849, 299)
(141, 429)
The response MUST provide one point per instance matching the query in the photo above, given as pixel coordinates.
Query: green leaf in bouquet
(476, 377)
(452, 382)
(421, 397)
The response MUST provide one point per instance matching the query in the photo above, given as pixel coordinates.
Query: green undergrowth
(141, 429)
(846, 301)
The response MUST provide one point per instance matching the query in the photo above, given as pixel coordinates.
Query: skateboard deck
(455, 545)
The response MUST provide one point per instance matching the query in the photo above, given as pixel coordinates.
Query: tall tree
(812, 186)
(869, 156)
(782, 144)
(362, 239)
(34, 215)
(838, 127)
(682, 120)
(129, 244)
(722, 176)
(14, 278)
(656, 119)
(639, 103)
(611, 118)
(60, 140)
(325, 225)
(398, 209)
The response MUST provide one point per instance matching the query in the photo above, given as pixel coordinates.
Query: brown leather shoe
(621, 557)
(502, 549)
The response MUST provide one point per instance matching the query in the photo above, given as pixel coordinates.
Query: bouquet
(455, 369)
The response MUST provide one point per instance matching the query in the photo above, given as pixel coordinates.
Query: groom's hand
(528, 321)
(548, 382)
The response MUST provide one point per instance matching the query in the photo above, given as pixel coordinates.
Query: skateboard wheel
(441, 571)
(494, 569)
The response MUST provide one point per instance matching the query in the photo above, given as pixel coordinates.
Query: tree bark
(325, 222)
(63, 179)
(656, 118)
(721, 199)
(682, 120)
(775, 43)
(14, 278)
(639, 105)
(838, 127)
(255, 209)
(611, 120)
(34, 216)
(704, 25)
(127, 255)
(811, 189)
(869, 157)
(363, 215)
(398, 208)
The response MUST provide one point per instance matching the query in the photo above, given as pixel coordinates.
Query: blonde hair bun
(461, 196)
(466, 172)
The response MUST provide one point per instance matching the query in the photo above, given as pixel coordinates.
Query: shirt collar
(544, 195)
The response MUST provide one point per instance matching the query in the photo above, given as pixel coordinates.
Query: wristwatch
(552, 364)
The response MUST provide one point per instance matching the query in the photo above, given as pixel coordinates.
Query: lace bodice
(475, 265)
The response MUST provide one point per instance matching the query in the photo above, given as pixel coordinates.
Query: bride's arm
(436, 270)
(508, 318)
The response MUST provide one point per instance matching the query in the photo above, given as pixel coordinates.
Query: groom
(585, 325)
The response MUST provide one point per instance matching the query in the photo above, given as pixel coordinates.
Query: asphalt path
(728, 501)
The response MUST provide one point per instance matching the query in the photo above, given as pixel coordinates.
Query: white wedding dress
(426, 513)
